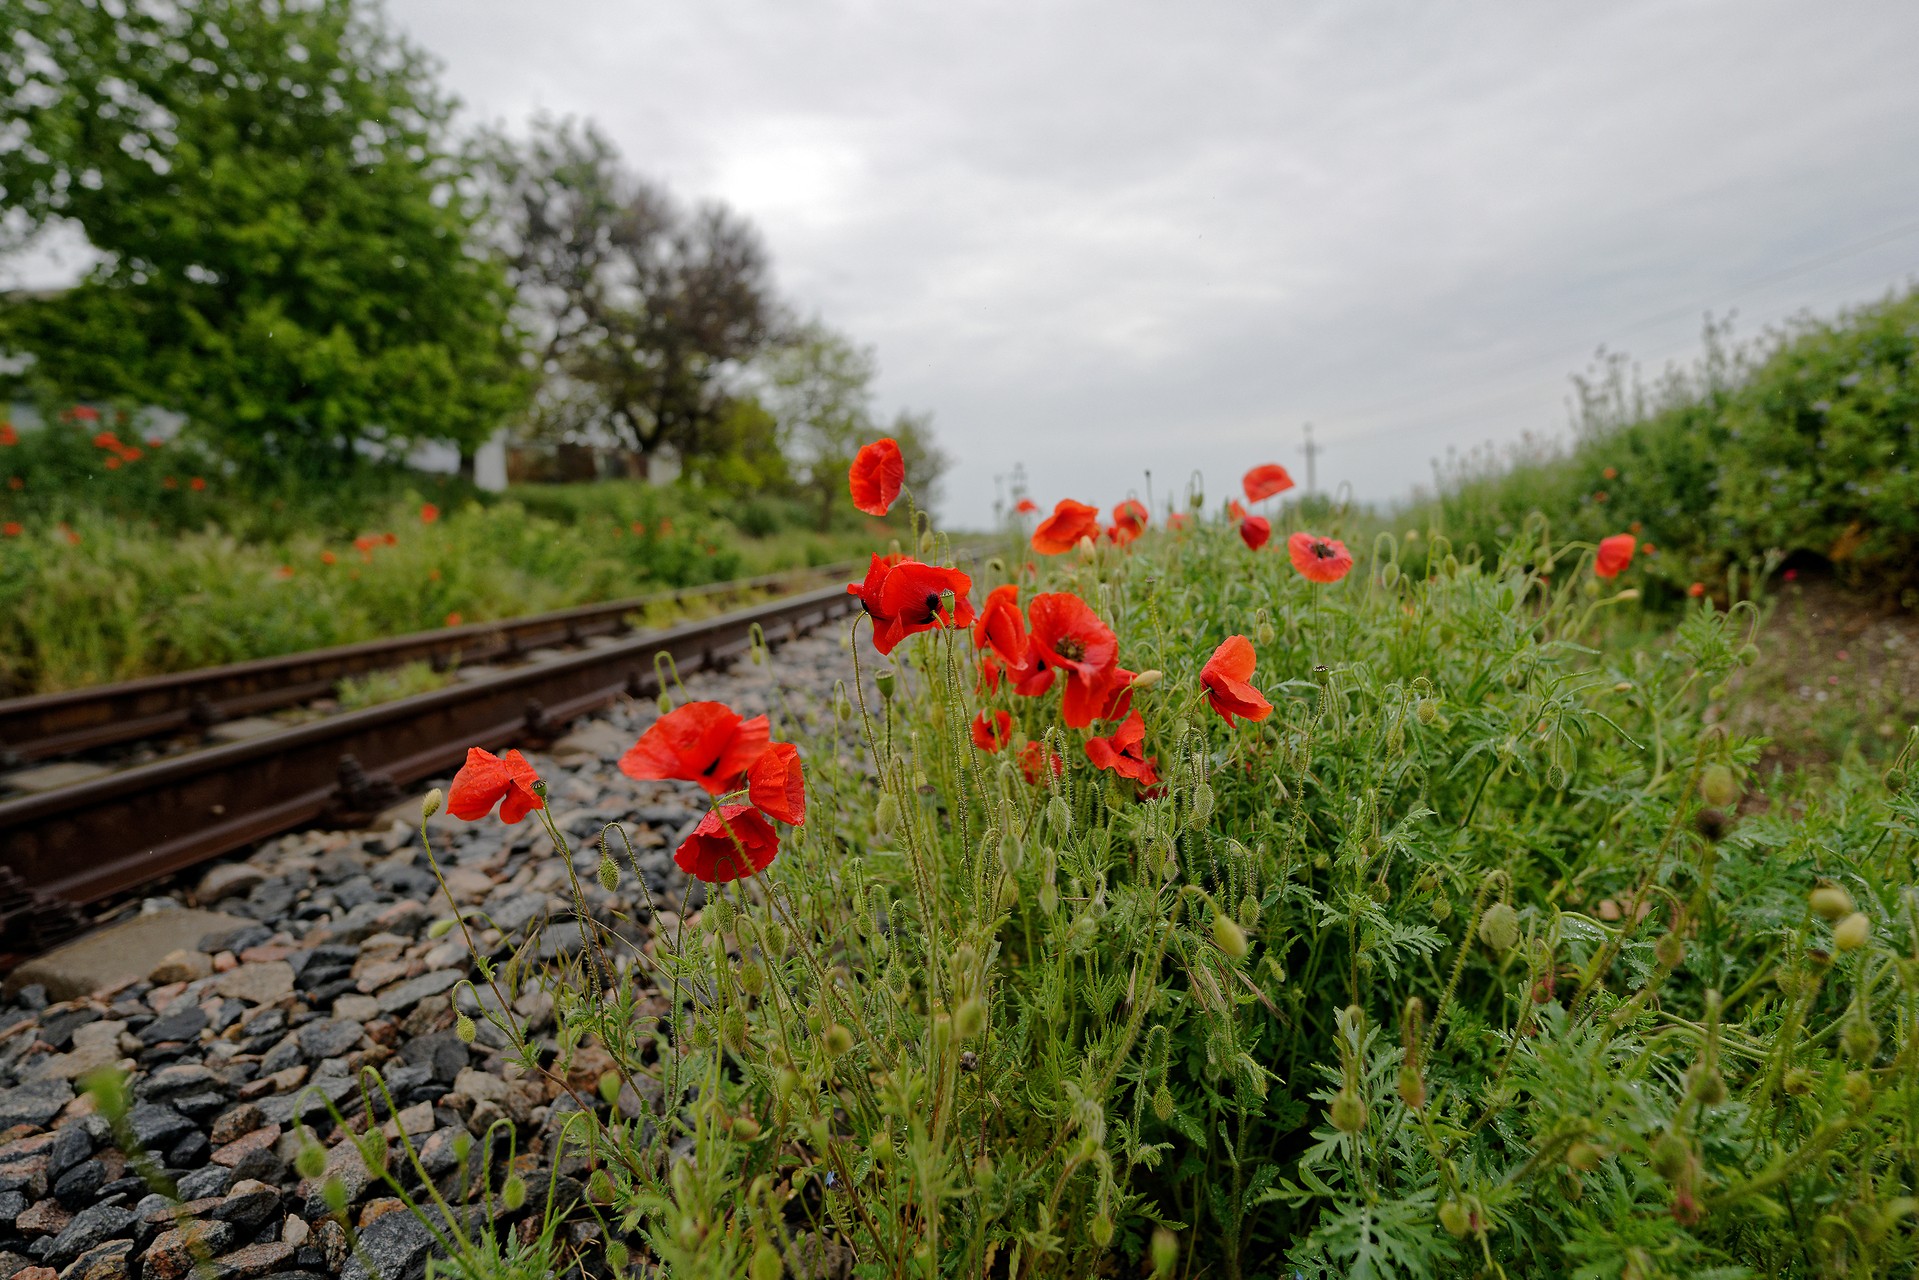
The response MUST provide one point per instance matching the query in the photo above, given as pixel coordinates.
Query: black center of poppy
(932, 604)
(1323, 550)
(1070, 649)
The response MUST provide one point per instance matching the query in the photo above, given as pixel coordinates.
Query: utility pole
(1312, 452)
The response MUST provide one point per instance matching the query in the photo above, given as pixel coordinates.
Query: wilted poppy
(1061, 531)
(1265, 480)
(992, 730)
(428, 513)
(704, 742)
(777, 784)
(1121, 752)
(1615, 553)
(11, 529)
(1319, 559)
(486, 780)
(1255, 530)
(1227, 675)
(903, 597)
(733, 842)
(877, 473)
(1035, 758)
(1026, 506)
(1069, 636)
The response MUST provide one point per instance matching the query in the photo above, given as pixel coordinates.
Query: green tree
(644, 310)
(286, 247)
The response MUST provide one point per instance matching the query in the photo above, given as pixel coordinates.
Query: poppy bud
(311, 1162)
(1718, 692)
(1165, 1251)
(665, 703)
(1829, 901)
(1851, 933)
(1583, 1157)
(883, 681)
(1102, 1230)
(431, 804)
(752, 978)
(441, 927)
(1797, 1081)
(1624, 686)
(1087, 551)
(1426, 710)
(970, 1018)
(838, 1041)
(373, 1149)
(1749, 654)
(1499, 927)
(609, 873)
(333, 1191)
(1670, 950)
(1412, 1088)
(513, 1192)
(1163, 1103)
(609, 1087)
(1389, 576)
(1202, 806)
(1442, 909)
(1264, 633)
(1708, 1085)
(1229, 936)
(1555, 777)
(1858, 1086)
(746, 1128)
(886, 814)
(1895, 780)
(1669, 1155)
(464, 1029)
(1248, 913)
(1396, 738)
(766, 1264)
(599, 1187)
(1009, 853)
(1060, 814)
(1860, 1040)
(1347, 1113)
(1455, 1218)
(1147, 679)
(617, 1255)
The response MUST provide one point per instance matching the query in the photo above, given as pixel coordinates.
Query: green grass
(1365, 990)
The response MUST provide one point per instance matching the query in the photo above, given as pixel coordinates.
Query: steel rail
(45, 726)
(84, 842)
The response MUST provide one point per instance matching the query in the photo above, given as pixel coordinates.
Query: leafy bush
(1470, 958)
(1808, 447)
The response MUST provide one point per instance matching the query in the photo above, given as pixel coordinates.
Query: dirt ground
(1834, 673)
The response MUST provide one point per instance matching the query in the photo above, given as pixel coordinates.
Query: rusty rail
(84, 842)
(45, 726)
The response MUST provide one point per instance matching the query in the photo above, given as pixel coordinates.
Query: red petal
(777, 784)
(478, 786)
(876, 476)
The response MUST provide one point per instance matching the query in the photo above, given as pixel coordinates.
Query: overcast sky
(1101, 238)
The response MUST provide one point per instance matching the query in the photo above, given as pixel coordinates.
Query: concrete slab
(129, 949)
(242, 729)
(51, 777)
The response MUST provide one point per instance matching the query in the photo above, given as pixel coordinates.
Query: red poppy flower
(1177, 520)
(1120, 753)
(1001, 626)
(1234, 510)
(390, 539)
(1265, 480)
(1319, 559)
(1132, 517)
(8, 436)
(1026, 506)
(428, 513)
(84, 413)
(72, 537)
(703, 742)
(113, 464)
(1226, 676)
(904, 597)
(991, 672)
(1119, 695)
(1696, 590)
(1061, 531)
(1069, 636)
(1035, 758)
(1255, 530)
(1615, 553)
(154, 442)
(1647, 548)
(455, 618)
(1791, 575)
(777, 784)
(878, 472)
(130, 454)
(284, 572)
(666, 528)
(327, 557)
(106, 440)
(11, 529)
(992, 730)
(197, 484)
(1600, 496)
(734, 842)
(1032, 677)
(486, 780)
(1611, 473)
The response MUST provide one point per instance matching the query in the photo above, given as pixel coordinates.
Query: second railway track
(72, 845)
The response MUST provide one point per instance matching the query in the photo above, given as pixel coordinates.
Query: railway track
(76, 844)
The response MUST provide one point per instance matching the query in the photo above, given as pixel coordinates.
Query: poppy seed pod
(1499, 927)
(1851, 933)
(883, 680)
(431, 804)
(1829, 901)
(1087, 551)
